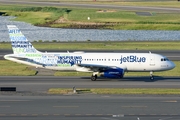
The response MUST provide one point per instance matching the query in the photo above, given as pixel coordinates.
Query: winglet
(19, 42)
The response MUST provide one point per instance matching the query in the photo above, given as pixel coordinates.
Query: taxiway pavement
(43, 83)
(89, 107)
(31, 101)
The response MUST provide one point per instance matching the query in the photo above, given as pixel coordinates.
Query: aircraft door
(152, 60)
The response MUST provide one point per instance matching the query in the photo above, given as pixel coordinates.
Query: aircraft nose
(171, 65)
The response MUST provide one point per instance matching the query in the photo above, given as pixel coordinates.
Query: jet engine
(113, 73)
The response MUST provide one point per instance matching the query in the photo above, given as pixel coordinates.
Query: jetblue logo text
(132, 58)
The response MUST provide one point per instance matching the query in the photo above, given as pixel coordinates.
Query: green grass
(34, 18)
(34, 15)
(126, 20)
(9, 68)
(105, 45)
(137, 91)
(111, 19)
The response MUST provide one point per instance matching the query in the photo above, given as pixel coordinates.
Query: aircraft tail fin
(19, 42)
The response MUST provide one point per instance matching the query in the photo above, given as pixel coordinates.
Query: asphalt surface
(31, 101)
(41, 84)
(89, 107)
(171, 54)
(137, 8)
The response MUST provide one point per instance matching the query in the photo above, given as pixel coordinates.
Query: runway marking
(172, 101)
(134, 106)
(121, 115)
(65, 106)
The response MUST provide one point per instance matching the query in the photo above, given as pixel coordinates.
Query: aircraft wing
(97, 68)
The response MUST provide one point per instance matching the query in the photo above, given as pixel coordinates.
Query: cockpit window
(164, 59)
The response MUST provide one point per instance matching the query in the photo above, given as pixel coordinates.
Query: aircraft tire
(93, 77)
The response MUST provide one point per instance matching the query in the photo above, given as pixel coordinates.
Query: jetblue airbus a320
(110, 65)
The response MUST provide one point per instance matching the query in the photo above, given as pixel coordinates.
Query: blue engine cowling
(113, 73)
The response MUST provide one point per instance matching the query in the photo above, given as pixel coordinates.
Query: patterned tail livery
(19, 42)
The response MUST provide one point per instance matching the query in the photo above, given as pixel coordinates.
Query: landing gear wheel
(93, 77)
(151, 75)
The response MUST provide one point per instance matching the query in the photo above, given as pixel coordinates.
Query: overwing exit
(110, 65)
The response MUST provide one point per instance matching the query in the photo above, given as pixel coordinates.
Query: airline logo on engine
(132, 58)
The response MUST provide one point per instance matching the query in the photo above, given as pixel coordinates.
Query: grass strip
(103, 45)
(9, 68)
(138, 91)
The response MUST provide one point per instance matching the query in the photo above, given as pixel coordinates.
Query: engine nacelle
(113, 73)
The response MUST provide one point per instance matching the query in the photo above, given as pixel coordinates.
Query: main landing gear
(94, 76)
(151, 75)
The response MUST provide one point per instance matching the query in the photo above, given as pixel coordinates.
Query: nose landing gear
(151, 75)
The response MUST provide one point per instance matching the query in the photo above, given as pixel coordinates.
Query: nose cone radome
(171, 65)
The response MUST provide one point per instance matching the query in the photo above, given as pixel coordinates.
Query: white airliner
(109, 65)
